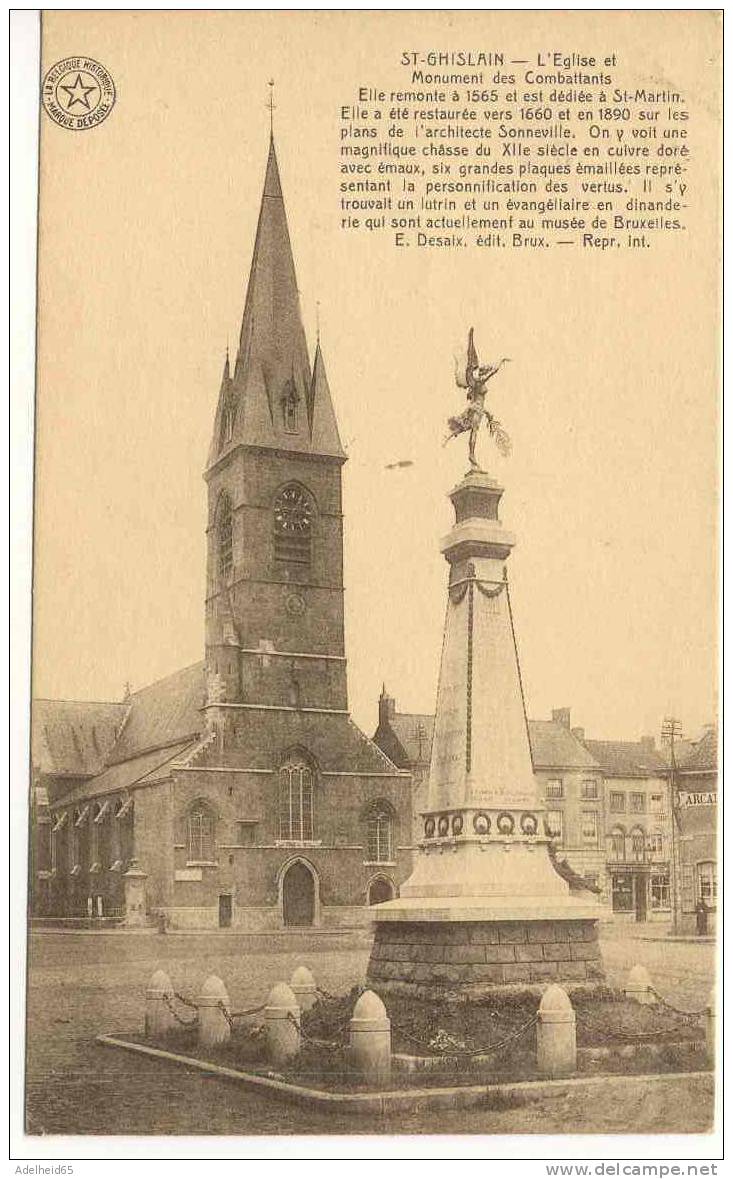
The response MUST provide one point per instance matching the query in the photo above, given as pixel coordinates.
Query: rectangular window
(707, 882)
(655, 843)
(659, 891)
(638, 801)
(656, 803)
(589, 789)
(589, 828)
(622, 892)
(617, 801)
(554, 824)
(618, 846)
(245, 834)
(554, 789)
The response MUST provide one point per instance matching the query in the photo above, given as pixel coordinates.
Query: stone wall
(434, 959)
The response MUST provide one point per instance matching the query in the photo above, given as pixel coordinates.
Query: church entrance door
(380, 890)
(299, 896)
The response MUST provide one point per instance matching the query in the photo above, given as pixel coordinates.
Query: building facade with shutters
(638, 835)
(239, 792)
(697, 831)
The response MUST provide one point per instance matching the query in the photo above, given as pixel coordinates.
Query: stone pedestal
(135, 895)
(470, 959)
(484, 907)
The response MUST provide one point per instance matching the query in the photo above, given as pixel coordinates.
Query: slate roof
(555, 747)
(162, 713)
(414, 731)
(163, 721)
(628, 759)
(73, 738)
(144, 769)
(703, 757)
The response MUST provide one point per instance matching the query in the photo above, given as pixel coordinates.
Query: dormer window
(228, 416)
(290, 403)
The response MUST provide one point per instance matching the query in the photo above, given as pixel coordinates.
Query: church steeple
(272, 383)
(274, 599)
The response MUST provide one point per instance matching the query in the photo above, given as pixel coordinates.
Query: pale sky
(147, 229)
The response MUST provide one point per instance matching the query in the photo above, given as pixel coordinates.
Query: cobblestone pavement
(81, 984)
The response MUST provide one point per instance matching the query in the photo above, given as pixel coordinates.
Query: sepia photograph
(374, 686)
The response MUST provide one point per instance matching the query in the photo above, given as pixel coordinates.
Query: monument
(484, 907)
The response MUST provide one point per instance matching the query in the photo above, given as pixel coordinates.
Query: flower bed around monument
(491, 1041)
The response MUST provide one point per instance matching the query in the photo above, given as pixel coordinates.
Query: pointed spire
(272, 359)
(324, 428)
(281, 403)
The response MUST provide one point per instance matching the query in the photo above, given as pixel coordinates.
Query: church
(237, 792)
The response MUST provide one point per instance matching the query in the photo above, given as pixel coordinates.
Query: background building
(572, 786)
(407, 739)
(238, 791)
(608, 809)
(638, 826)
(697, 793)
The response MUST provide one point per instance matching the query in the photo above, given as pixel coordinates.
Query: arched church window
(296, 801)
(228, 416)
(200, 834)
(224, 534)
(379, 834)
(293, 525)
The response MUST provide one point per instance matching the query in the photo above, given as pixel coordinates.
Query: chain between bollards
(468, 1052)
(186, 1023)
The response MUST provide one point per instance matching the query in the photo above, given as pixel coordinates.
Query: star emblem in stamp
(78, 93)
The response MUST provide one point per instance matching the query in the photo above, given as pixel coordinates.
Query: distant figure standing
(701, 917)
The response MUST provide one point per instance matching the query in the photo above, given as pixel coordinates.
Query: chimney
(386, 707)
(579, 734)
(562, 717)
(647, 743)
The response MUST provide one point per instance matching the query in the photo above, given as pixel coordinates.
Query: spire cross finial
(271, 102)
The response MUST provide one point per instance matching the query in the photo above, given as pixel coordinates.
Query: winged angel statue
(474, 377)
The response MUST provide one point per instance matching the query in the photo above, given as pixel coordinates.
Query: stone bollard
(711, 1027)
(370, 1039)
(158, 1015)
(556, 1048)
(282, 1024)
(303, 986)
(213, 1024)
(639, 986)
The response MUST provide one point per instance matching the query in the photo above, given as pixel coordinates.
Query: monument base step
(475, 958)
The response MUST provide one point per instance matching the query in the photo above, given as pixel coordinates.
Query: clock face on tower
(293, 512)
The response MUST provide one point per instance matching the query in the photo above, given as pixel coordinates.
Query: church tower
(274, 600)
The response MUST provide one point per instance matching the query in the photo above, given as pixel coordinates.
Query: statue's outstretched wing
(459, 360)
(466, 361)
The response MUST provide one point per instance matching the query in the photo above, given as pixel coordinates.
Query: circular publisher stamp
(78, 93)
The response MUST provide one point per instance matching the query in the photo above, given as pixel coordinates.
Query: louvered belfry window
(224, 529)
(293, 526)
(296, 801)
